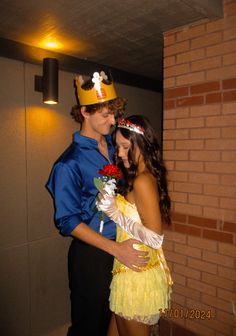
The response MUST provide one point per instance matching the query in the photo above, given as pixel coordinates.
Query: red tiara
(123, 123)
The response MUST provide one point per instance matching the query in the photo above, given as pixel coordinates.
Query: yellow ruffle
(139, 295)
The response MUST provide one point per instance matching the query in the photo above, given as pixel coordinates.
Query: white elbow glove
(107, 204)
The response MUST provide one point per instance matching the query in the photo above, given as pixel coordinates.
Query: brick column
(200, 153)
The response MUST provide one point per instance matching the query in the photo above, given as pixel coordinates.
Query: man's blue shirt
(72, 187)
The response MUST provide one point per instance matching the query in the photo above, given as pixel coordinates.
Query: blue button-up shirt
(72, 187)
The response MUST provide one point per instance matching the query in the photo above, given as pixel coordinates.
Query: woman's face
(123, 147)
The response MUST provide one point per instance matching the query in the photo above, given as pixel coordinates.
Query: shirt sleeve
(65, 187)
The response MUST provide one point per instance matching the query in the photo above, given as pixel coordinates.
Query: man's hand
(130, 257)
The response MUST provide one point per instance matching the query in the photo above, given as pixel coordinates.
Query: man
(71, 185)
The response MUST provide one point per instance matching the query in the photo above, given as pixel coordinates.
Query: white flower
(110, 187)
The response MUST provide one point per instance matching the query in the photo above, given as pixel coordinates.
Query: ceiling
(123, 34)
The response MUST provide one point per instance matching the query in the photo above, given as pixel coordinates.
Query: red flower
(111, 171)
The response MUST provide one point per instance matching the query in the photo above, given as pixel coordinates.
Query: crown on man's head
(100, 92)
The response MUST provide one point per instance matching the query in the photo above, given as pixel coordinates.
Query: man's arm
(123, 251)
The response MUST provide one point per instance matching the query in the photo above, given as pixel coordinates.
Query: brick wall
(200, 153)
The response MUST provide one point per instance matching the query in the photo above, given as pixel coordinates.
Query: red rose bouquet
(110, 175)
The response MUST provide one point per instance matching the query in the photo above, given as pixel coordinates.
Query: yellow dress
(142, 295)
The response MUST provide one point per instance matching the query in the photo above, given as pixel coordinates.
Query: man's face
(101, 121)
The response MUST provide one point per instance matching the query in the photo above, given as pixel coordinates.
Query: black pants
(89, 280)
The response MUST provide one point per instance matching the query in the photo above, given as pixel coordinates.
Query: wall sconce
(48, 83)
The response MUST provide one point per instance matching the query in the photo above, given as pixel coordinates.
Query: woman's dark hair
(116, 106)
(150, 149)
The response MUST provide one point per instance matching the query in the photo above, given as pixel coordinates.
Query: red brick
(187, 34)
(217, 281)
(189, 166)
(176, 258)
(169, 104)
(205, 110)
(169, 124)
(201, 330)
(190, 56)
(229, 34)
(188, 187)
(191, 78)
(215, 25)
(231, 227)
(169, 39)
(187, 250)
(202, 265)
(202, 287)
(190, 123)
(176, 92)
(221, 49)
(189, 144)
(213, 98)
(176, 48)
(205, 155)
(202, 200)
(230, 8)
(181, 112)
(203, 222)
(177, 298)
(227, 144)
(206, 63)
(229, 132)
(176, 70)
(205, 87)
(228, 180)
(168, 82)
(178, 176)
(205, 244)
(227, 273)
(187, 271)
(216, 302)
(229, 59)
(178, 279)
(226, 295)
(217, 235)
(176, 237)
(228, 203)
(188, 229)
(216, 213)
(187, 292)
(225, 317)
(175, 155)
(190, 101)
(220, 190)
(177, 217)
(229, 83)
(228, 96)
(217, 258)
(207, 40)
(175, 134)
(168, 145)
(229, 156)
(169, 61)
(206, 133)
(220, 167)
(221, 121)
(221, 73)
(204, 178)
(188, 209)
(227, 249)
(178, 197)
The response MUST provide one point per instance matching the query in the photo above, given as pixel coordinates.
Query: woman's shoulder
(144, 181)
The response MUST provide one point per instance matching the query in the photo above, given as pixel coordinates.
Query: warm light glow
(51, 102)
(50, 43)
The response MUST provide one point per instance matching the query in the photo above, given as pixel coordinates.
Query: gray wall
(34, 289)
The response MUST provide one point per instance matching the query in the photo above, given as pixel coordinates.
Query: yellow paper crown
(99, 93)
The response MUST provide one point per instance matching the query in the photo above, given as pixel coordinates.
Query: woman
(137, 298)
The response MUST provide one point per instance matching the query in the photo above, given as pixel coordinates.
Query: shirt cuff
(67, 224)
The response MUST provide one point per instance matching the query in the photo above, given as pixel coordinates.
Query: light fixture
(48, 83)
